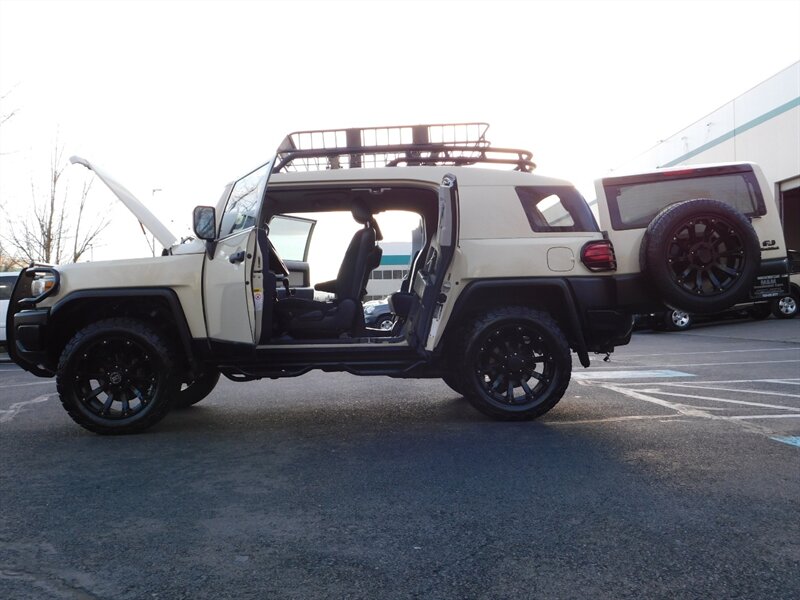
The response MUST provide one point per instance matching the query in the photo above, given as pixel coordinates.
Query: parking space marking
(652, 395)
(726, 400)
(629, 374)
(703, 386)
(792, 440)
(756, 417)
(788, 381)
(714, 352)
(616, 419)
(48, 382)
(722, 364)
(16, 408)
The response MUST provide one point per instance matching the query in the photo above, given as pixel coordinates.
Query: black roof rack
(410, 145)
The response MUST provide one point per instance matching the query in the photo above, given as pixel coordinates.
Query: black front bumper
(26, 325)
(27, 342)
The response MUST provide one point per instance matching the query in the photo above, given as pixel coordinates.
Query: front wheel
(516, 364)
(453, 382)
(197, 388)
(115, 376)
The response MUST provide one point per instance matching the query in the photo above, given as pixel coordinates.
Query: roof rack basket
(409, 145)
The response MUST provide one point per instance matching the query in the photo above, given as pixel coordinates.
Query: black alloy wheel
(706, 256)
(114, 376)
(517, 364)
(701, 255)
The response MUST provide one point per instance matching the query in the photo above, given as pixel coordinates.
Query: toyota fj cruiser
(513, 274)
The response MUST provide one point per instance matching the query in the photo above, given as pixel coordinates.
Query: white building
(761, 126)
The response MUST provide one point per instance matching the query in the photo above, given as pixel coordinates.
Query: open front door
(430, 286)
(233, 281)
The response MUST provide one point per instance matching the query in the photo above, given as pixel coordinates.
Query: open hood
(164, 236)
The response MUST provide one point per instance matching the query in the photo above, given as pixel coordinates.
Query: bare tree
(6, 114)
(51, 232)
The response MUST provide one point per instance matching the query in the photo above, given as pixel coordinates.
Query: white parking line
(628, 374)
(726, 400)
(750, 417)
(714, 352)
(16, 408)
(727, 389)
(747, 422)
(723, 364)
(695, 382)
(49, 381)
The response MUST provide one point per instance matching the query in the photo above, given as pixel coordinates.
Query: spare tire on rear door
(701, 255)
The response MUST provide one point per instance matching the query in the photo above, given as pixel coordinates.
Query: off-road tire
(701, 255)
(453, 382)
(759, 312)
(515, 363)
(197, 389)
(115, 376)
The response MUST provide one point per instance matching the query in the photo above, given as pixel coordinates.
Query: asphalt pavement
(672, 471)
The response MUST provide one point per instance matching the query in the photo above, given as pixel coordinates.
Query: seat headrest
(361, 212)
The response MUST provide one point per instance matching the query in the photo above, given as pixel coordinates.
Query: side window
(242, 207)
(6, 285)
(556, 208)
(291, 236)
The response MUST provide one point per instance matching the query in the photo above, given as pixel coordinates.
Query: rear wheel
(385, 323)
(759, 311)
(516, 364)
(785, 307)
(677, 320)
(115, 376)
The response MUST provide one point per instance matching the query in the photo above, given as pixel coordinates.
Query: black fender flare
(555, 290)
(167, 295)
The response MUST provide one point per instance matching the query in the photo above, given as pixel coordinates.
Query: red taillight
(599, 256)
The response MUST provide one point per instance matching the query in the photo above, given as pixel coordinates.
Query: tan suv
(513, 275)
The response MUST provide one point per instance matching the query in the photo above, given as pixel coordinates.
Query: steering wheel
(275, 260)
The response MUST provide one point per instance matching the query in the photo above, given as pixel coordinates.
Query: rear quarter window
(556, 208)
(634, 202)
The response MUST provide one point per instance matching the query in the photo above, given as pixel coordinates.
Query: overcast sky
(184, 96)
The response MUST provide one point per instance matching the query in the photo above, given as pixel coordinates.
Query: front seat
(310, 318)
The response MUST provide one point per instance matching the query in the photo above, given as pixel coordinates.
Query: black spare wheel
(701, 255)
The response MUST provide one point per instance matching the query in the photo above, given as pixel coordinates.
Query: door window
(291, 236)
(243, 203)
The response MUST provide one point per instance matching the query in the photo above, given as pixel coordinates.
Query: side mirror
(205, 222)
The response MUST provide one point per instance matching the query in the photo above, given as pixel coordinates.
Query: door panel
(430, 288)
(227, 288)
(234, 278)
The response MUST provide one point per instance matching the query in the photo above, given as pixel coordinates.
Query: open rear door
(429, 286)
